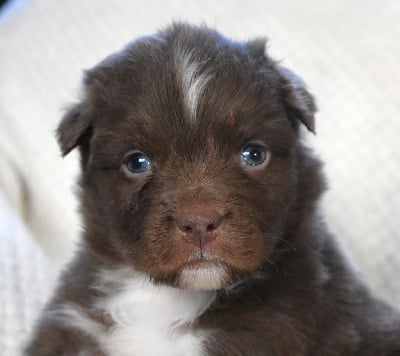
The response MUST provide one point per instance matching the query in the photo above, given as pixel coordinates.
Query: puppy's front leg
(55, 339)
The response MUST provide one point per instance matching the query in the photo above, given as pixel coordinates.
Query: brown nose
(199, 229)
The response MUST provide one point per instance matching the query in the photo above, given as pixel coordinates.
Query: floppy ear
(256, 47)
(74, 127)
(298, 101)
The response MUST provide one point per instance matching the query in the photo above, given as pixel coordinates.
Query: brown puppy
(202, 234)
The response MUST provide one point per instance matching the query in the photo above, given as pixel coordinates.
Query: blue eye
(137, 162)
(254, 154)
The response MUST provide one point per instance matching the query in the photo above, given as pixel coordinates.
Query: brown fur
(289, 291)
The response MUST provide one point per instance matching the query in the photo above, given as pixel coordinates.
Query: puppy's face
(188, 146)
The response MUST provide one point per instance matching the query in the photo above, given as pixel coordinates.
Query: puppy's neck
(129, 295)
(310, 186)
(142, 318)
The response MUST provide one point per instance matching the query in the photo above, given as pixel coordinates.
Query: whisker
(272, 264)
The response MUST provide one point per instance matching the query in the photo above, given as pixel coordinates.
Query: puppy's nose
(199, 229)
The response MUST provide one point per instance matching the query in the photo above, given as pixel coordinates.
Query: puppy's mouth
(203, 273)
(201, 262)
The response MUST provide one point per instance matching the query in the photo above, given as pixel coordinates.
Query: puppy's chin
(203, 277)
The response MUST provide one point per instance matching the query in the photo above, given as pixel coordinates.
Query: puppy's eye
(137, 162)
(254, 154)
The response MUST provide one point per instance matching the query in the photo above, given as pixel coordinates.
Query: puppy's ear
(74, 127)
(256, 47)
(299, 102)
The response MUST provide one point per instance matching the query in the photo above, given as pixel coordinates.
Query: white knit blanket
(27, 278)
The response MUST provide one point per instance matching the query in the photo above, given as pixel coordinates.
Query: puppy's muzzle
(199, 228)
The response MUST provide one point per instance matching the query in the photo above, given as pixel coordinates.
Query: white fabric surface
(27, 277)
(348, 51)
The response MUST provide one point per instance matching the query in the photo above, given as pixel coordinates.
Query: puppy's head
(188, 147)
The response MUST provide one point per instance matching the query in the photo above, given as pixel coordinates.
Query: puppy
(200, 204)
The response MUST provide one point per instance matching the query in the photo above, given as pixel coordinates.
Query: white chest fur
(149, 320)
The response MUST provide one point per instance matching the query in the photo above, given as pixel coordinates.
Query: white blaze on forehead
(193, 77)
